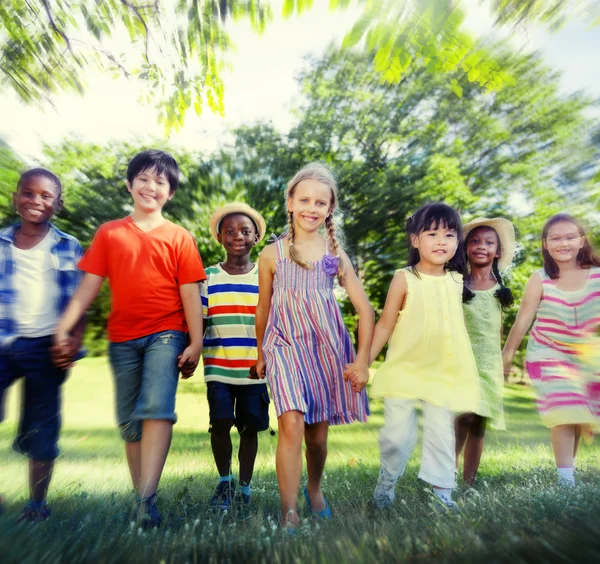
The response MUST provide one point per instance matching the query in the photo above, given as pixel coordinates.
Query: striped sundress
(307, 346)
(566, 378)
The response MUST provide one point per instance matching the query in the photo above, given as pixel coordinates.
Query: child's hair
(504, 295)
(153, 159)
(431, 216)
(41, 173)
(322, 174)
(586, 257)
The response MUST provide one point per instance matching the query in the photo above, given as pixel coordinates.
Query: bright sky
(260, 85)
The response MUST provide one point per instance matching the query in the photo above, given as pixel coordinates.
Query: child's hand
(188, 361)
(252, 374)
(261, 368)
(64, 349)
(357, 374)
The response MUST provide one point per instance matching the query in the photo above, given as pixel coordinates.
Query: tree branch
(54, 26)
(135, 9)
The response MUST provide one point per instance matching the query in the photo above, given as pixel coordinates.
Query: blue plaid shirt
(66, 252)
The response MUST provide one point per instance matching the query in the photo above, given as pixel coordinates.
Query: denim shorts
(40, 421)
(146, 376)
(247, 406)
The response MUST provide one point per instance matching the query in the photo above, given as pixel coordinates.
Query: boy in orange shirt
(153, 268)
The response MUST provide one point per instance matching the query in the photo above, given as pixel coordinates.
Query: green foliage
(553, 13)
(177, 49)
(10, 168)
(400, 35)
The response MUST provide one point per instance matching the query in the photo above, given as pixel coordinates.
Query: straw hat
(237, 207)
(506, 234)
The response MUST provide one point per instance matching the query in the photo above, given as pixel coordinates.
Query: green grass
(517, 513)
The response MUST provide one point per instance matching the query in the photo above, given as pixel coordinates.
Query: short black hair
(153, 159)
(41, 173)
(431, 216)
(236, 213)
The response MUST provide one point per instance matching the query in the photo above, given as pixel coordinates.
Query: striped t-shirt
(229, 304)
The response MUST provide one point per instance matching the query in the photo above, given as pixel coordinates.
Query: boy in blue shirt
(38, 276)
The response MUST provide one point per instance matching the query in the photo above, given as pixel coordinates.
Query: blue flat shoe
(324, 513)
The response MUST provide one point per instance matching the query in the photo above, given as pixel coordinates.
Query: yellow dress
(430, 355)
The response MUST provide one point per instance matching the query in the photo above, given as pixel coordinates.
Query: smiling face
(482, 246)
(563, 242)
(150, 191)
(237, 234)
(37, 199)
(436, 246)
(311, 204)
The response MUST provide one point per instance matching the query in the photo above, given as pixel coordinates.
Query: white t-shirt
(37, 289)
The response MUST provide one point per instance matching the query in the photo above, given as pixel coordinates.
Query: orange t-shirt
(144, 271)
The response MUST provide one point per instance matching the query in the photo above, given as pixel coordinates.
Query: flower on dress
(330, 264)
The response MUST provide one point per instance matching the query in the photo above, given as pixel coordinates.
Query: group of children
(279, 320)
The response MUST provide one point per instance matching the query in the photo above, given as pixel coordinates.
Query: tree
(10, 166)
(396, 147)
(178, 47)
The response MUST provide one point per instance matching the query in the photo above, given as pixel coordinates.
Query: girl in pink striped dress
(304, 349)
(565, 298)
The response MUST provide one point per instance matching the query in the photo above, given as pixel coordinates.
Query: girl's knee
(291, 425)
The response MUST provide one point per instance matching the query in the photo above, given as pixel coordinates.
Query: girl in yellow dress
(429, 359)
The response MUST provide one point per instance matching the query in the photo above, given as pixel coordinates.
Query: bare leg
(474, 449)
(288, 463)
(578, 433)
(461, 430)
(40, 474)
(133, 452)
(220, 441)
(563, 444)
(156, 440)
(247, 455)
(315, 436)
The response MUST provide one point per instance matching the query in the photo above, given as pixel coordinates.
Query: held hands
(357, 374)
(258, 371)
(64, 349)
(188, 361)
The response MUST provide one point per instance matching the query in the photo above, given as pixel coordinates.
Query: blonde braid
(335, 248)
(294, 254)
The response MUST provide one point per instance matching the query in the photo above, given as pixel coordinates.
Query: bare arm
(529, 304)
(192, 307)
(387, 322)
(358, 371)
(266, 272)
(82, 299)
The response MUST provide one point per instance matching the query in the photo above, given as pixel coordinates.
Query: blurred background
(490, 106)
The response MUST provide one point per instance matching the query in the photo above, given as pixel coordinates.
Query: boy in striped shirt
(229, 298)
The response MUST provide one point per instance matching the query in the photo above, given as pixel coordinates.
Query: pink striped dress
(307, 346)
(566, 381)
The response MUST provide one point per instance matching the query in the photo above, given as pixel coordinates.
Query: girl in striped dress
(304, 349)
(565, 298)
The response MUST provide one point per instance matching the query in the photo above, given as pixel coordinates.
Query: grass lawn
(516, 514)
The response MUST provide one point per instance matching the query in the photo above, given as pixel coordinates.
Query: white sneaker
(384, 491)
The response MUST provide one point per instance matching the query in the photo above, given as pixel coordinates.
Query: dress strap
(280, 253)
(279, 244)
(326, 245)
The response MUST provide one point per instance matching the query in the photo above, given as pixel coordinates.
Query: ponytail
(503, 294)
